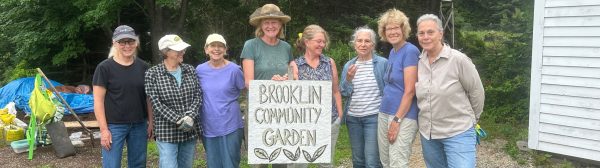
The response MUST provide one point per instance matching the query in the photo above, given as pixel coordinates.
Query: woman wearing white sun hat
(222, 82)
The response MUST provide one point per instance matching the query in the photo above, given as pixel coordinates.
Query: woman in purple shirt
(222, 82)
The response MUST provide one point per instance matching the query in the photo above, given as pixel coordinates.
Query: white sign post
(289, 122)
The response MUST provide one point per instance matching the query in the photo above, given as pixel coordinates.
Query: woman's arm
(348, 73)
(248, 68)
(150, 118)
(336, 89)
(410, 78)
(471, 82)
(294, 70)
(99, 112)
(194, 107)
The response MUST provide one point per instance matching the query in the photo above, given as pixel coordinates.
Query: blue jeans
(363, 139)
(135, 135)
(223, 151)
(176, 155)
(453, 152)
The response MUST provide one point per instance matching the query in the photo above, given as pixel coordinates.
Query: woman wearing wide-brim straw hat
(266, 57)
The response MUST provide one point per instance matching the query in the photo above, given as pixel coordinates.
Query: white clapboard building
(564, 116)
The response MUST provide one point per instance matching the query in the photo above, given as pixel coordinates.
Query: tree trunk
(160, 24)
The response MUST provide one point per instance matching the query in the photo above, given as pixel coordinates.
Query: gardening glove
(185, 124)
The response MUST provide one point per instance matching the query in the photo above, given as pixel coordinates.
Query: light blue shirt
(177, 75)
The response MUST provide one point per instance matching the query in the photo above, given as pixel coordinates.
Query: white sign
(289, 122)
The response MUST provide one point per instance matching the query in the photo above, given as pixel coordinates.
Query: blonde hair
(308, 34)
(115, 52)
(259, 32)
(393, 16)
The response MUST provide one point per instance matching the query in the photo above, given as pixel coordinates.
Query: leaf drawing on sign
(275, 154)
(292, 156)
(319, 152)
(297, 155)
(316, 155)
(289, 155)
(307, 156)
(261, 153)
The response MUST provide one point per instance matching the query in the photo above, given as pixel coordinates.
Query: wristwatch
(396, 119)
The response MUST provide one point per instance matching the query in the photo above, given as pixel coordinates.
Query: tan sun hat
(268, 11)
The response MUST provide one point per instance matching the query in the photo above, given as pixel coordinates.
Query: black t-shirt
(125, 99)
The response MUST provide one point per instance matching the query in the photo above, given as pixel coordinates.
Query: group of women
(177, 104)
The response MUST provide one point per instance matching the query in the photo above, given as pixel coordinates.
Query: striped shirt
(366, 98)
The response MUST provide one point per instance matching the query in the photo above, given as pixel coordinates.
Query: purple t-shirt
(221, 88)
(406, 56)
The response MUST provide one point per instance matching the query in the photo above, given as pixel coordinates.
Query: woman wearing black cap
(120, 103)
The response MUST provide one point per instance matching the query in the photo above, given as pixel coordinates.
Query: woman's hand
(105, 139)
(351, 72)
(393, 131)
(279, 77)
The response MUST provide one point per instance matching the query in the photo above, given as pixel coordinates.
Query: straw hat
(268, 11)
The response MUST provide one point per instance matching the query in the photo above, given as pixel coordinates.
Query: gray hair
(431, 17)
(365, 29)
(163, 52)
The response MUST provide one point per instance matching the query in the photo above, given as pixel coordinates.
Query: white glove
(185, 124)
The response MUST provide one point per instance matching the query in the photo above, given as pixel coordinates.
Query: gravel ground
(489, 155)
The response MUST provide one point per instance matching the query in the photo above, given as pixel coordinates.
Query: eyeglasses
(428, 32)
(393, 28)
(320, 41)
(126, 42)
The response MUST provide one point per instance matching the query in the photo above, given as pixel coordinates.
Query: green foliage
(503, 62)
(542, 159)
(152, 154)
(18, 71)
(340, 52)
(200, 161)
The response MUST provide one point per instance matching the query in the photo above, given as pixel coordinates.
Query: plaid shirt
(171, 102)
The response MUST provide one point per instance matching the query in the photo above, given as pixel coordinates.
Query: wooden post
(66, 104)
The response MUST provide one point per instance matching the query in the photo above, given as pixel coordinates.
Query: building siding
(564, 115)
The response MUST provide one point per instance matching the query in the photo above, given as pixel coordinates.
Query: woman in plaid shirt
(174, 90)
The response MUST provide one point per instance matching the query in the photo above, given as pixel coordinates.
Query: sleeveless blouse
(323, 72)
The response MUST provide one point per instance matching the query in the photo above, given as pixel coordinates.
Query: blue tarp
(19, 91)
